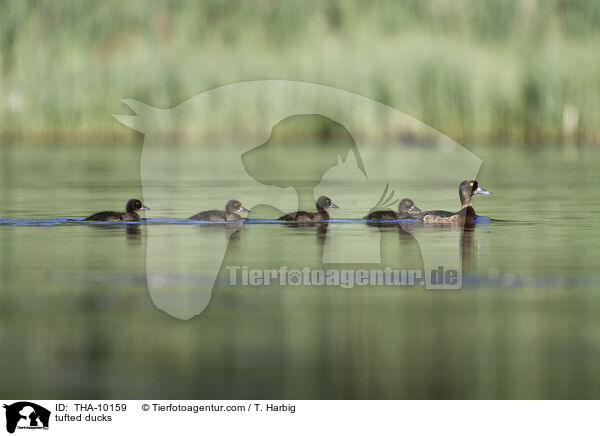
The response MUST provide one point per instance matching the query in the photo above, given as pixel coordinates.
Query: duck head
(235, 206)
(407, 206)
(468, 188)
(134, 205)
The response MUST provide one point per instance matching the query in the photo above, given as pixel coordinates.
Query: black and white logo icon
(26, 415)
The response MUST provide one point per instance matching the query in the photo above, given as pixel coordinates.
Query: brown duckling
(131, 213)
(406, 208)
(323, 203)
(231, 213)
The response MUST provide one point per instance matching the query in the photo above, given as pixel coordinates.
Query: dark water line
(81, 221)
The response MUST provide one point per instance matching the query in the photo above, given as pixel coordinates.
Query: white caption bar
(262, 418)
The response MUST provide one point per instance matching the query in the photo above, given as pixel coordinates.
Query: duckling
(231, 213)
(130, 214)
(323, 203)
(406, 208)
(466, 214)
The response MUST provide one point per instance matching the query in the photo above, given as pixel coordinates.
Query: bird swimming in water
(466, 214)
(406, 207)
(323, 203)
(131, 213)
(231, 213)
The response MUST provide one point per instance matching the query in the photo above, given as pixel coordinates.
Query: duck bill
(335, 206)
(145, 208)
(243, 209)
(480, 190)
(414, 209)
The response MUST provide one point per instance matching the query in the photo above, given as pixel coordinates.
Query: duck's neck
(466, 206)
(322, 212)
(465, 199)
(469, 212)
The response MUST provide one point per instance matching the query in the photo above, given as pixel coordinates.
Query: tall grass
(500, 71)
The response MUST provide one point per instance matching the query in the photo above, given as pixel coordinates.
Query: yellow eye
(471, 184)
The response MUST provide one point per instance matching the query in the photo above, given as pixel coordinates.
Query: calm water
(77, 320)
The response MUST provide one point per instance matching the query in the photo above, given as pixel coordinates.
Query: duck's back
(210, 215)
(107, 216)
(444, 216)
(300, 215)
(440, 218)
(382, 215)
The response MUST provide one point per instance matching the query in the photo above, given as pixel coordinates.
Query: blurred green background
(499, 72)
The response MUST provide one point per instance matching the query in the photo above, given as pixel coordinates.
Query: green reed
(502, 71)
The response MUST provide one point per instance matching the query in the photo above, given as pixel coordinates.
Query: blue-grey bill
(145, 208)
(415, 209)
(480, 190)
(243, 209)
(335, 206)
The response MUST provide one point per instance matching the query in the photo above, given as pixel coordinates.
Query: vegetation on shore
(501, 71)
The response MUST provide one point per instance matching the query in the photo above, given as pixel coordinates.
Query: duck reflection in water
(133, 232)
(407, 230)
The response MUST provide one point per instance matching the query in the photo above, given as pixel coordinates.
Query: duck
(131, 213)
(323, 203)
(231, 213)
(466, 214)
(406, 207)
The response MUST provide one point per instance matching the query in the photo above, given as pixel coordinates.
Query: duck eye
(471, 184)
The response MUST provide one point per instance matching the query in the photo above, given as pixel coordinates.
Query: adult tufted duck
(466, 214)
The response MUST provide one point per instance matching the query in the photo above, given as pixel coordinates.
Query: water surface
(76, 318)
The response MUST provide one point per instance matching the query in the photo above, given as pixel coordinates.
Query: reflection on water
(77, 320)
